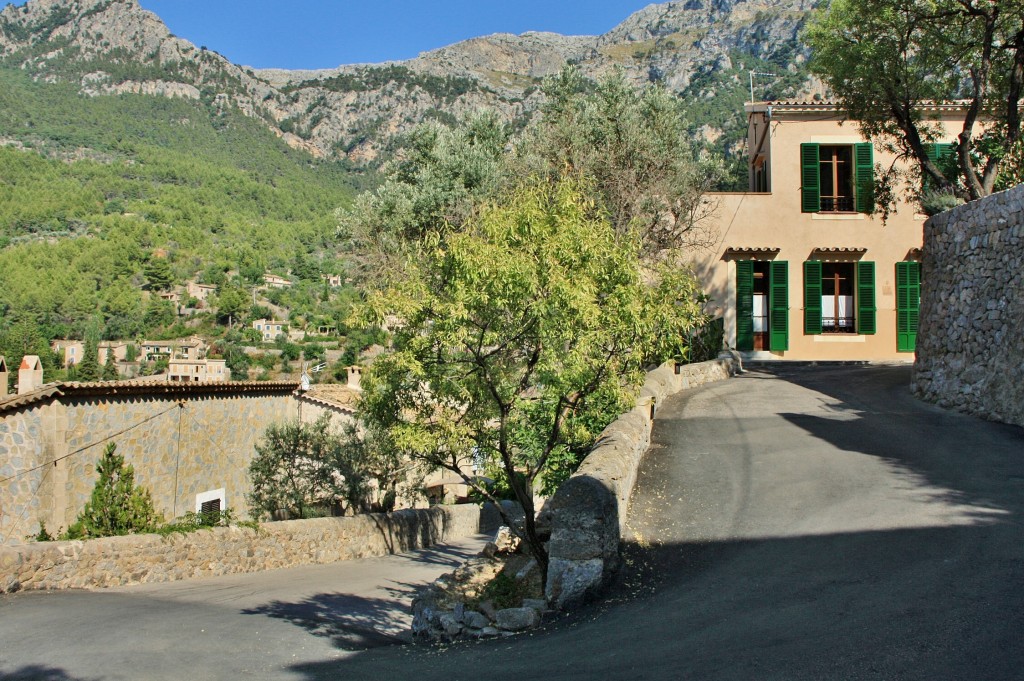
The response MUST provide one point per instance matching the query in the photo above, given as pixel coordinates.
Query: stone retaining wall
(970, 346)
(589, 510)
(225, 550)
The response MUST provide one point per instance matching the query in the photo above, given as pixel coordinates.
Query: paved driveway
(803, 523)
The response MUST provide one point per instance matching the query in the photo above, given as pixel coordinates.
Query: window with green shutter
(779, 306)
(812, 297)
(864, 160)
(745, 305)
(908, 305)
(810, 176)
(866, 308)
(942, 155)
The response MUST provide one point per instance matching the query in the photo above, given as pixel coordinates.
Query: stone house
(198, 370)
(189, 442)
(191, 349)
(275, 281)
(333, 280)
(72, 351)
(269, 329)
(201, 292)
(799, 267)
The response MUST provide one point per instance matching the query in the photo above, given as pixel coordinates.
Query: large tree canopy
(886, 60)
(521, 336)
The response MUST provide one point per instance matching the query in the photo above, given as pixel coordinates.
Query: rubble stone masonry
(970, 346)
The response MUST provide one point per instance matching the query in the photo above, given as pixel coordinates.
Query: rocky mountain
(701, 49)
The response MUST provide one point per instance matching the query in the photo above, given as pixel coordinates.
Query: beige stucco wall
(774, 220)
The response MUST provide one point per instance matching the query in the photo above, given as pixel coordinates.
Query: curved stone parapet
(589, 510)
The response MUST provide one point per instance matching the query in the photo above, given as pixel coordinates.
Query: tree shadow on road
(38, 672)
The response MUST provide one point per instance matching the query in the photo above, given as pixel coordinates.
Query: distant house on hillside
(275, 281)
(198, 370)
(801, 268)
(72, 351)
(192, 348)
(201, 292)
(333, 280)
(269, 329)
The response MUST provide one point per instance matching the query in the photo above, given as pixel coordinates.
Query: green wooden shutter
(778, 306)
(810, 178)
(866, 308)
(812, 297)
(908, 305)
(745, 305)
(939, 154)
(864, 162)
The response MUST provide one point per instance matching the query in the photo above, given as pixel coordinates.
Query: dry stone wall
(137, 559)
(970, 346)
(589, 510)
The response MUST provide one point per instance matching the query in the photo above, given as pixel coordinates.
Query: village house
(333, 280)
(269, 329)
(801, 268)
(4, 377)
(198, 370)
(275, 281)
(201, 292)
(192, 348)
(72, 351)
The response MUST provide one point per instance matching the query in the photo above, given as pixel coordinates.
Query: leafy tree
(304, 469)
(158, 274)
(432, 187)
(635, 144)
(886, 59)
(159, 313)
(232, 302)
(522, 336)
(117, 506)
(89, 368)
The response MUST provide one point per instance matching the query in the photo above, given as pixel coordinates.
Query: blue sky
(312, 34)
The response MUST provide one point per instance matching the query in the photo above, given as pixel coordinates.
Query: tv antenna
(758, 73)
(306, 379)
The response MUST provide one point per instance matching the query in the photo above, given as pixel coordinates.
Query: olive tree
(520, 336)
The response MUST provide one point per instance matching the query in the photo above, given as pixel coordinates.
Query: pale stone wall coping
(137, 559)
(589, 510)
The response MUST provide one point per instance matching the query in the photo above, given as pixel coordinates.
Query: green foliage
(117, 506)
(100, 183)
(505, 591)
(305, 470)
(886, 59)
(364, 79)
(937, 201)
(193, 522)
(635, 145)
(522, 335)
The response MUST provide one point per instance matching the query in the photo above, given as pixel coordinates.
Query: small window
(835, 165)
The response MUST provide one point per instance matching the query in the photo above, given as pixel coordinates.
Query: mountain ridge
(356, 111)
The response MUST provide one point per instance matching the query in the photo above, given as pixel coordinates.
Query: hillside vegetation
(95, 188)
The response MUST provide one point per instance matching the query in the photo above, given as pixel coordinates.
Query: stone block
(517, 619)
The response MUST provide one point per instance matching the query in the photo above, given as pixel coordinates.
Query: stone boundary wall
(589, 510)
(970, 345)
(138, 559)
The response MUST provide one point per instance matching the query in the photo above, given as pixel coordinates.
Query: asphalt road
(804, 523)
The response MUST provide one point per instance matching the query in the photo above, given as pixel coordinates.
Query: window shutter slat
(745, 305)
(908, 305)
(864, 162)
(812, 297)
(810, 178)
(779, 306)
(866, 308)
